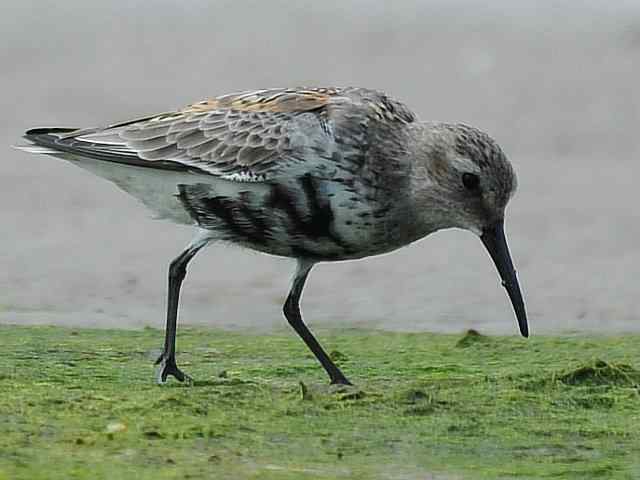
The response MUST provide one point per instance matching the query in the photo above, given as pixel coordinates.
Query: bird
(310, 173)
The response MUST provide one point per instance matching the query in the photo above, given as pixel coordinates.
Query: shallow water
(555, 83)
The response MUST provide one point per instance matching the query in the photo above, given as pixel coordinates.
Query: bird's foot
(167, 366)
(340, 380)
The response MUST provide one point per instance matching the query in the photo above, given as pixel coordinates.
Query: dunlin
(316, 174)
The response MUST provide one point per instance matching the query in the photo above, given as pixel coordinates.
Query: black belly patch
(295, 220)
(308, 211)
(234, 217)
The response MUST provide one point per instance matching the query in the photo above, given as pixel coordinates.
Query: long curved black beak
(495, 242)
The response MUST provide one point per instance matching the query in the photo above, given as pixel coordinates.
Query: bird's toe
(166, 367)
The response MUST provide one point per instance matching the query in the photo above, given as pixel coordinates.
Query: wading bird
(316, 174)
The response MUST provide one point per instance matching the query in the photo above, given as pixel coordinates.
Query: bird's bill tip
(495, 242)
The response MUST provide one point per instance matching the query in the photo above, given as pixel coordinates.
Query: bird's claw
(167, 366)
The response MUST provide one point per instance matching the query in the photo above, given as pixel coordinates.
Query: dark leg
(177, 272)
(292, 314)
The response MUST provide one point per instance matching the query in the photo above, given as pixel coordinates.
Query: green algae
(424, 406)
(599, 372)
(471, 338)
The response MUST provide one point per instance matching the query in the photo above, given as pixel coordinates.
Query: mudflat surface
(424, 407)
(555, 85)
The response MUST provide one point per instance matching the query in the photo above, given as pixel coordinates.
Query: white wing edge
(30, 148)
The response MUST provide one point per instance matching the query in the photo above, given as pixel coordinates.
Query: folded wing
(247, 136)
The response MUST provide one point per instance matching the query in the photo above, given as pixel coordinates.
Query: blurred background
(555, 82)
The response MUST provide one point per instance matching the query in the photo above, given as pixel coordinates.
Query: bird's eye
(471, 181)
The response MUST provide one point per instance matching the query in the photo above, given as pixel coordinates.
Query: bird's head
(462, 179)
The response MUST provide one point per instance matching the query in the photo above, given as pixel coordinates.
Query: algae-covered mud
(79, 404)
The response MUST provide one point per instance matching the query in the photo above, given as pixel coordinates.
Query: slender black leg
(177, 272)
(292, 313)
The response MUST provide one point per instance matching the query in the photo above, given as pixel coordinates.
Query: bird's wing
(245, 136)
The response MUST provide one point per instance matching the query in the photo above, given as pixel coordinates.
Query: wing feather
(247, 135)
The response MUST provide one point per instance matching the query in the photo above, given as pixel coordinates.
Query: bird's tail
(42, 140)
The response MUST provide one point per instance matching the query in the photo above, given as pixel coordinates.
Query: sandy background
(557, 83)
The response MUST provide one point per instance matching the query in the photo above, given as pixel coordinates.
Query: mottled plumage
(317, 174)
